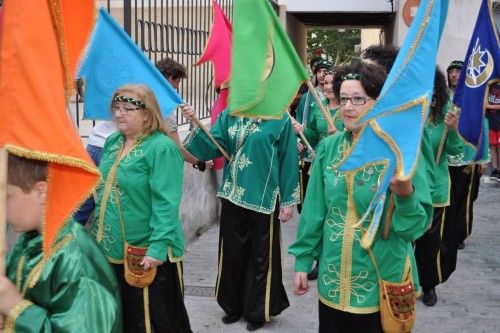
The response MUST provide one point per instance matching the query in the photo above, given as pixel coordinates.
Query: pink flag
(219, 106)
(218, 51)
(218, 48)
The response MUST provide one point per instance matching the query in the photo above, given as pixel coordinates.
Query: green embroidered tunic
(440, 185)
(317, 128)
(74, 290)
(347, 279)
(149, 182)
(466, 156)
(264, 160)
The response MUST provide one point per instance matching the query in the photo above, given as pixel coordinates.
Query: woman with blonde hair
(137, 213)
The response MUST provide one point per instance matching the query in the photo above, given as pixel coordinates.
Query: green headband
(350, 76)
(136, 102)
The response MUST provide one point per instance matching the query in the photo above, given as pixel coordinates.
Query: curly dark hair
(171, 68)
(384, 55)
(440, 96)
(372, 77)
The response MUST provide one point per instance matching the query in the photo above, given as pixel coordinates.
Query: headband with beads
(130, 100)
(350, 76)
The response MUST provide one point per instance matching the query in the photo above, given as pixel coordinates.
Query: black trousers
(469, 184)
(458, 215)
(304, 180)
(249, 280)
(427, 252)
(335, 321)
(157, 308)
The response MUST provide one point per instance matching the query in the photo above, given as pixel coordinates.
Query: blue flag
(393, 126)
(478, 73)
(113, 60)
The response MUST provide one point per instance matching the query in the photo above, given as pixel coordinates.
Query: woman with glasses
(347, 280)
(137, 209)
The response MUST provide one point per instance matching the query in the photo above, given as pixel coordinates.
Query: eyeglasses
(355, 100)
(123, 109)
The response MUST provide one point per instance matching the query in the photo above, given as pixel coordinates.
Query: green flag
(266, 71)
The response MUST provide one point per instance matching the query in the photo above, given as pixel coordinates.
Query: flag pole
(195, 119)
(303, 138)
(3, 209)
(441, 145)
(3, 216)
(325, 113)
(308, 145)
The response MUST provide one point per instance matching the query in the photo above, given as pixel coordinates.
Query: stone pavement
(468, 302)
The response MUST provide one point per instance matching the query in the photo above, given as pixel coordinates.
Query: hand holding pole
(326, 114)
(196, 120)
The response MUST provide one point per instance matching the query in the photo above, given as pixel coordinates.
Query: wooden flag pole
(325, 113)
(3, 209)
(308, 145)
(3, 216)
(197, 121)
(303, 138)
(441, 145)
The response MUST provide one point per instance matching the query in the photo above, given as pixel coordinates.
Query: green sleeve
(454, 145)
(299, 115)
(307, 245)
(198, 143)
(311, 131)
(166, 190)
(80, 306)
(76, 305)
(427, 158)
(84, 306)
(412, 214)
(288, 166)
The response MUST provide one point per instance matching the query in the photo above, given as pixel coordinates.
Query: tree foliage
(337, 44)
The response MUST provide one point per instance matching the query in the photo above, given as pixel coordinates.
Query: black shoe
(313, 275)
(229, 319)
(461, 246)
(254, 326)
(430, 297)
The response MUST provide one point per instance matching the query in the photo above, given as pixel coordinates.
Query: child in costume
(72, 289)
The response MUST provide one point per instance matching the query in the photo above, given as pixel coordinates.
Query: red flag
(37, 51)
(218, 48)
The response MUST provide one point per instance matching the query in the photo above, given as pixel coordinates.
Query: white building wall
(336, 5)
(460, 22)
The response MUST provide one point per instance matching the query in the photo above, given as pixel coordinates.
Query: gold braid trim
(468, 204)
(10, 324)
(438, 257)
(55, 9)
(36, 272)
(171, 257)
(53, 158)
(269, 270)
(108, 186)
(348, 307)
(219, 272)
(147, 319)
(19, 272)
(179, 274)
